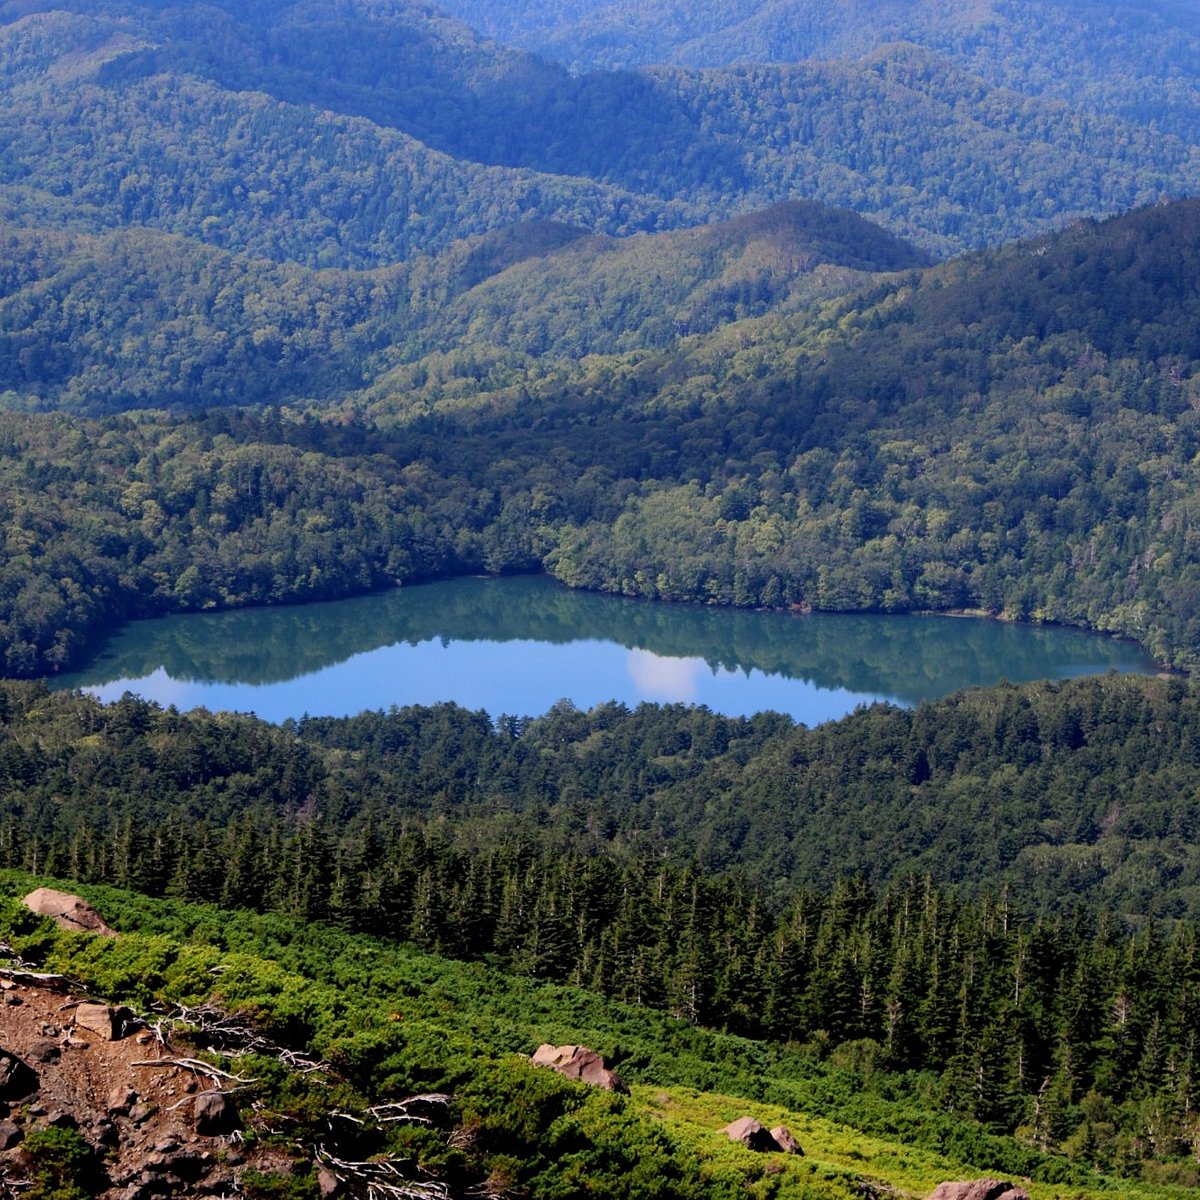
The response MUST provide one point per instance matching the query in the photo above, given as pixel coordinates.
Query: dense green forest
(1064, 791)
(142, 319)
(720, 871)
(252, 132)
(303, 298)
(391, 1021)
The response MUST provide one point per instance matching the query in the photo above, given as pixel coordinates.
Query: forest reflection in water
(518, 644)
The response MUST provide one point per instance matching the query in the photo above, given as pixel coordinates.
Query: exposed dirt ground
(158, 1130)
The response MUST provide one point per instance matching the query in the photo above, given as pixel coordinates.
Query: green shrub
(62, 1165)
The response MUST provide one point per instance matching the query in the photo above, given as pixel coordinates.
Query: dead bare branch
(52, 983)
(231, 1034)
(401, 1110)
(198, 1067)
(6, 951)
(489, 1189)
(383, 1178)
(11, 1188)
(464, 1137)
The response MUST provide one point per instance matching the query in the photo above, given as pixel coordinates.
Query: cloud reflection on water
(659, 678)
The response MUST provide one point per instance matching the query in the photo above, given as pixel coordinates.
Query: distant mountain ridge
(357, 136)
(1132, 59)
(143, 319)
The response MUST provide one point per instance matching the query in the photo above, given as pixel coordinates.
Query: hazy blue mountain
(1137, 59)
(357, 136)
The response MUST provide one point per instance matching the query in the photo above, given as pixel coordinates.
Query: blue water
(518, 645)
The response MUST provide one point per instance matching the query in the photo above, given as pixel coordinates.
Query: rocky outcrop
(750, 1133)
(578, 1062)
(127, 1097)
(214, 1113)
(69, 912)
(17, 1078)
(786, 1140)
(108, 1021)
(979, 1189)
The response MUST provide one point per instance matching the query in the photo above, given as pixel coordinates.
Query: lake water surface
(517, 645)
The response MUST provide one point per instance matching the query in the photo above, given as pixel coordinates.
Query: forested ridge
(142, 319)
(1065, 791)
(1137, 60)
(251, 131)
(988, 434)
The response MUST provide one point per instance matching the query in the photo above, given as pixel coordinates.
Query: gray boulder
(70, 912)
(214, 1113)
(17, 1079)
(10, 1134)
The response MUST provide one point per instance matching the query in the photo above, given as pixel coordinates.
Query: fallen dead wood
(402, 1110)
(52, 983)
(399, 1111)
(383, 1179)
(199, 1067)
(230, 1034)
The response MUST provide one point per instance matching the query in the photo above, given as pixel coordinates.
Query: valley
(751, 338)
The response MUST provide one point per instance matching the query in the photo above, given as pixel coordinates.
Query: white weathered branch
(52, 983)
(198, 1067)
(383, 1179)
(399, 1110)
(228, 1033)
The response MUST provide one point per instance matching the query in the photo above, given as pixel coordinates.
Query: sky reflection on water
(519, 645)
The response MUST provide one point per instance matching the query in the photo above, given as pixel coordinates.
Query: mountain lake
(518, 645)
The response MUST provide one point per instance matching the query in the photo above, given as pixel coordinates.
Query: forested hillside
(1139, 61)
(305, 298)
(1067, 792)
(90, 137)
(390, 1023)
(142, 319)
(1012, 433)
(249, 131)
(991, 434)
(676, 861)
